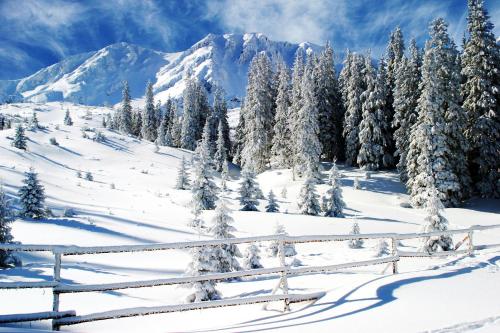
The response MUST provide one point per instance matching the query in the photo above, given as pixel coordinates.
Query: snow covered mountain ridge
(95, 78)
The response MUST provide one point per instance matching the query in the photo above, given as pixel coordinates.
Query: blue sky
(37, 33)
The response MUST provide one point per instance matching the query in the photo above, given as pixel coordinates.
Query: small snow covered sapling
(356, 184)
(252, 257)
(368, 175)
(34, 124)
(67, 119)
(53, 142)
(308, 199)
(88, 176)
(79, 174)
(196, 222)
(273, 248)
(249, 192)
(435, 221)
(182, 182)
(224, 254)
(224, 176)
(202, 262)
(272, 204)
(284, 192)
(355, 243)
(99, 137)
(69, 212)
(333, 203)
(383, 248)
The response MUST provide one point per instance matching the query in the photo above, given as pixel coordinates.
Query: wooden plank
(65, 288)
(143, 311)
(27, 285)
(78, 250)
(431, 255)
(16, 318)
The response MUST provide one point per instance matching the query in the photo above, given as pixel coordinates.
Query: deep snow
(457, 294)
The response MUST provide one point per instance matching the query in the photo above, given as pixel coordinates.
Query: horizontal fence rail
(81, 250)
(17, 318)
(132, 312)
(62, 318)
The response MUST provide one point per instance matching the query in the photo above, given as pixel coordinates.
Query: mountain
(95, 78)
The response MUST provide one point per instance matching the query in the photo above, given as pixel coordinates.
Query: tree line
(431, 113)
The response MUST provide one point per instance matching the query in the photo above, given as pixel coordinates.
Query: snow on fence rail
(61, 318)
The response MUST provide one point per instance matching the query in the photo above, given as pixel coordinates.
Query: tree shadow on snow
(116, 145)
(385, 186)
(384, 296)
(483, 205)
(138, 224)
(70, 223)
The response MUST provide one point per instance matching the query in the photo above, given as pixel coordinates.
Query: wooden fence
(62, 318)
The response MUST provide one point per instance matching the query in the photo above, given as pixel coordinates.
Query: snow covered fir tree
(308, 199)
(355, 243)
(32, 196)
(202, 262)
(272, 203)
(251, 257)
(288, 248)
(182, 182)
(249, 192)
(438, 151)
(203, 187)
(5, 229)
(332, 203)
(224, 255)
(67, 119)
(20, 140)
(435, 221)
(481, 100)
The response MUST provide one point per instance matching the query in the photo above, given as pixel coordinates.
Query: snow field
(144, 208)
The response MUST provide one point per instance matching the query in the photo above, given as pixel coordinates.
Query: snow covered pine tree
(308, 199)
(182, 182)
(272, 203)
(20, 138)
(32, 196)
(333, 203)
(251, 258)
(224, 255)
(249, 191)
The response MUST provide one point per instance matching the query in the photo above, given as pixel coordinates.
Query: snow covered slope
(223, 60)
(95, 78)
(132, 201)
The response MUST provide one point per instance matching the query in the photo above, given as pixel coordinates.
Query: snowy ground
(458, 294)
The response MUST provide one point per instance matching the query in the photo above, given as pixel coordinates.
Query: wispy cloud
(40, 32)
(357, 24)
(289, 20)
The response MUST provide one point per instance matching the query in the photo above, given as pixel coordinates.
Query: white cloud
(357, 24)
(290, 20)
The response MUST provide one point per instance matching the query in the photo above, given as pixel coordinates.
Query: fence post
(471, 245)
(284, 281)
(394, 253)
(57, 278)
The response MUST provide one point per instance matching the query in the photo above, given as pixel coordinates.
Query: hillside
(95, 78)
(143, 208)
